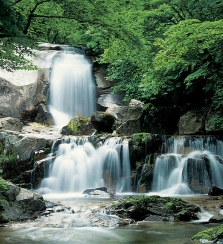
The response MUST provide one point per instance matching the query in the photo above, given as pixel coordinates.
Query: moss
(140, 137)
(170, 207)
(210, 234)
(76, 123)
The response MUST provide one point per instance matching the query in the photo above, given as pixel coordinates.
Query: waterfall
(188, 165)
(72, 87)
(79, 166)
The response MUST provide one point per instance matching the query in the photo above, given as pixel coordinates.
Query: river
(63, 227)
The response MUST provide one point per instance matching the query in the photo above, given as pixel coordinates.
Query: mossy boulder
(103, 121)
(211, 234)
(155, 208)
(78, 126)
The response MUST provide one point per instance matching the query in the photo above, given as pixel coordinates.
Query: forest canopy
(166, 52)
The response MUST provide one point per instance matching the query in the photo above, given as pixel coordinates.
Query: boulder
(162, 208)
(9, 123)
(103, 121)
(19, 204)
(191, 123)
(215, 191)
(78, 126)
(128, 119)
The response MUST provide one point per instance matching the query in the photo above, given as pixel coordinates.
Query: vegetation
(210, 234)
(164, 52)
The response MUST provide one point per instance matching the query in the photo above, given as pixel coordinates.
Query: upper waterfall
(72, 87)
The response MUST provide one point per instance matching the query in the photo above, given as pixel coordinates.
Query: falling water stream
(189, 165)
(78, 166)
(72, 86)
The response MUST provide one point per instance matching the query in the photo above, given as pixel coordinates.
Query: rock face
(21, 101)
(102, 121)
(106, 98)
(18, 153)
(43, 115)
(199, 121)
(19, 204)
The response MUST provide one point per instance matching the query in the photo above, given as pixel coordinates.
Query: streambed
(56, 228)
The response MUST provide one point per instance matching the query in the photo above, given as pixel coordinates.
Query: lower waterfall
(190, 165)
(79, 166)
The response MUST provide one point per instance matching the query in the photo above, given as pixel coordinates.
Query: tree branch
(25, 31)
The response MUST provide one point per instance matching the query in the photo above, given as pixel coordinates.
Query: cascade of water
(80, 166)
(72, 87)
(190, 168)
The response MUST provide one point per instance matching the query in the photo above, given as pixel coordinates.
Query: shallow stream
(57, 227)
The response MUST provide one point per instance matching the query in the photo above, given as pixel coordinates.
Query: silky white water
(188, 162)
(79, 166)
(72, 87)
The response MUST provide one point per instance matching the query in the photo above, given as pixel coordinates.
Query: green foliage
(159, 51)
(210, 234)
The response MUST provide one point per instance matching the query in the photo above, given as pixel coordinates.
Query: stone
(78, 126)
(20, 204)
(128, 119)
(9, 123)
(43, 115)
(215, 191)
(103, 121)
(106, 98)
(191, 123)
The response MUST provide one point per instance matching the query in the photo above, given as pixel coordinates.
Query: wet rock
(87, 191)
(43, 115)
(155, 208)
(216, 219)
(78, 126)
(102, 121)
(215, 191)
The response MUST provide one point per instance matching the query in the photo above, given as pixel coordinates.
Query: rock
(98, 193)
(216, 219)
(210, 235)
(215, 191)
(9, 123)
(128, 119)
(159, 120)
(87, 191)
(154, 208)
(21, 101)
(20, 204)
(102, 121)
(43, 115)
(191, 123)
(78, 126)
(106, 98)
